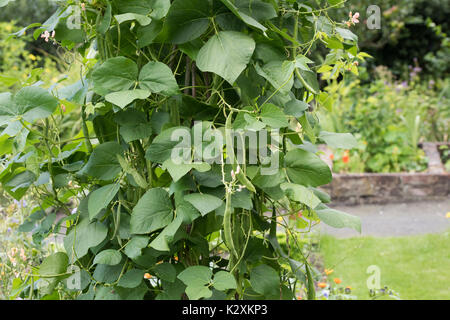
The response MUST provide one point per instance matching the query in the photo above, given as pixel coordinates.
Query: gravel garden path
(401, 219)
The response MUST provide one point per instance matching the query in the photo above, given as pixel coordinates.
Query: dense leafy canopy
(153, 68)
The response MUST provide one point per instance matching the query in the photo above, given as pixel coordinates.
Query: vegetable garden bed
(373, 188)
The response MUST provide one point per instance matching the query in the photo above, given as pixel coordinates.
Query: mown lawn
(416, 267)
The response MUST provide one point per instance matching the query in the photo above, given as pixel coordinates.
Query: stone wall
(376, 188)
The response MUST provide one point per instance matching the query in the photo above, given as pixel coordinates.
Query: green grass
(416, 267)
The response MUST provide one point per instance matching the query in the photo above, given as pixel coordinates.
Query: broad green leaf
(347, 34)
(326, 100)
(187, 212)
(161, 148)
(51, 270)
(132, 278)
(146, 35)
(166, 271)
(338, 140)
(134, 247)
(267, 181)
(133, 125)
(158, 78)
(7, 108)
(204, 203)
(273, 116)
(224, 280)
(226, 54)
(54, 265)
(106, 293)
(306, 168)
(3, 3)
(177, 171)
(257, 9)
(143, 20)
(159, 8)
(278, 73)
(265, 280)
(187, 20)
(322, 195)
(296, 108)
(251, 123)
(334, 43)
(21, 180)
(300, 194)
(243, 16)
(163, 240)
(124, 98)
(34, 103)
(83, 236)
(242, 199)
(191, 49)
(78, 280)
(100, 198)
(211, 179)
(302, 62)
(338, 219)
(106, 273)
(137, 293)
(171, 290)
(198, 292)
(103, 163)
(115, 74)
(156, 9)
(152, 212)
(196, 276)
(109, 257)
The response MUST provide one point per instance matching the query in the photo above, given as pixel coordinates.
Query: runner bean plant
(137, 222)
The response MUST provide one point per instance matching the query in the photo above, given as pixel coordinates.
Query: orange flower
(299, 298)
(337, 280)
(147, 276)
(328, 271)
(176, 258)
(348, 287)
(346, 157)
(332, 156)
(321, 285)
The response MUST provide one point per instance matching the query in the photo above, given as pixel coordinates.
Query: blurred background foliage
(409, 29)
(23, 61)
(399, 98)
(26, 12)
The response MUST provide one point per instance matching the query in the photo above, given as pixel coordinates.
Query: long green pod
(228, 234)
(227, 227)
(311, 290)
